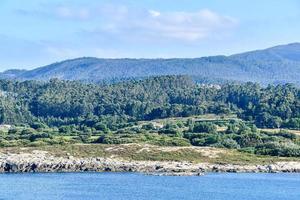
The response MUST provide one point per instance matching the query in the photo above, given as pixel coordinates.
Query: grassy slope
(146, 152)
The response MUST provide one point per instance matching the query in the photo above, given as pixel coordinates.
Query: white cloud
(72, 13)
(152, 24)
(154, 13)
(135, 24)
(189, 26)
(61, 12)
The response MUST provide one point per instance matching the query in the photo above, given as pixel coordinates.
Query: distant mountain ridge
(280, 64)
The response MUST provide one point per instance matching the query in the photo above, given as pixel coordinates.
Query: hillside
(280, 64)
(164, 111)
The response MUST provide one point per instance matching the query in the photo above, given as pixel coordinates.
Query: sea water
(113, 186)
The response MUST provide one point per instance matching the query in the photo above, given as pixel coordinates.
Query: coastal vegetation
(162, 111)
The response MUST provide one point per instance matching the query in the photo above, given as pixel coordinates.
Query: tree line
(58, 103)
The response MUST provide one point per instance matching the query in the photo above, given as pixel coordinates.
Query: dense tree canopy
(58, 103)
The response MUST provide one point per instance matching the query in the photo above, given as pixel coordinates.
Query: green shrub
(204, 127)
(148, 126)
(230, 143)
(279, 149)
(38, 125)
(154, 139)
(286, 134)
(249, 139)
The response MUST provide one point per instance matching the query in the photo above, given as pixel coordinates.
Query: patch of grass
(144, 152)
(155, 139)
(296, 132)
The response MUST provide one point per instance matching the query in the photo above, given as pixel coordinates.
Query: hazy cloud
(156, 25)
(131, 23)
(110, 30)
(69, 13)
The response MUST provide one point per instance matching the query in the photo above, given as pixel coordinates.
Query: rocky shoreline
(40, 161)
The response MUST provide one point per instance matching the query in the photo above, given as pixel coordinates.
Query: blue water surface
(111, 186)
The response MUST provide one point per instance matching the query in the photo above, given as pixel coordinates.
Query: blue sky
(38, 32)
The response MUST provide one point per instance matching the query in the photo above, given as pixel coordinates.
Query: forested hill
(58, 103)
(279, 64)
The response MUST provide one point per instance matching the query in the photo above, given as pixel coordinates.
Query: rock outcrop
(40, 161)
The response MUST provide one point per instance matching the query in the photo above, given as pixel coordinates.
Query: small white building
(3, 94)
(5, 127)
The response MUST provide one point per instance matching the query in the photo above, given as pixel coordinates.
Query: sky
(35, 33)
